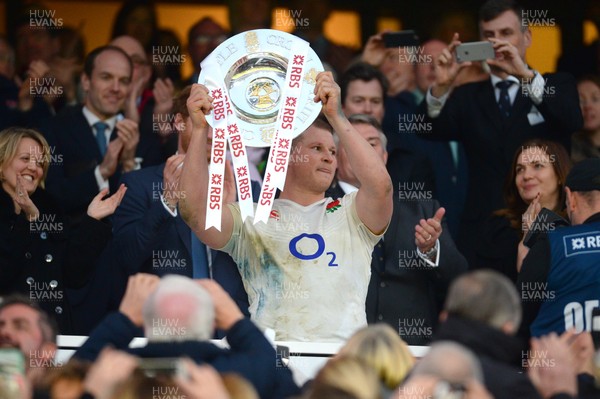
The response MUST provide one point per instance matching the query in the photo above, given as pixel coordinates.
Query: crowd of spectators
(453, 205)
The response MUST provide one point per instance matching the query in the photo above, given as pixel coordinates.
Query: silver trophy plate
(253, 66)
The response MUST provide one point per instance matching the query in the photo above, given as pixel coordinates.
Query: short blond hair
(382, 349)
(238, 387)
(343, 377)
(10, 139)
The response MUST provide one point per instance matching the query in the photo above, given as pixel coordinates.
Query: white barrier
(306, 358)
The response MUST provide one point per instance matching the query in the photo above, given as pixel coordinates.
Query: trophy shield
(253, 66)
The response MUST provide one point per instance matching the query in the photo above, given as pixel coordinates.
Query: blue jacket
(250, 354)
(560, 273)
(573, 285)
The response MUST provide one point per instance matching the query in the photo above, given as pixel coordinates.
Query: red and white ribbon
(240, 168)
(216, 169)
(225, 127)
(281, 145)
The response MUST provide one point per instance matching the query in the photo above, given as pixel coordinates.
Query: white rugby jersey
(307, 270)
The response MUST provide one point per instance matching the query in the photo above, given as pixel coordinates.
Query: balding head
(497, 299)
(137, 55)
(451, 362)
(131, 46)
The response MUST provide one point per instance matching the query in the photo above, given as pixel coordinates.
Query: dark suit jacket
(471, 116)
(405, 168)
(71, 177)
(450, 179)
(498, 247)
(148, 239)
(150, 148)
(10, 115)
(401, 105)
(410, 169)
(404, 290)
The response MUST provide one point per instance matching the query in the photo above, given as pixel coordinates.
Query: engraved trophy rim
(253, 66)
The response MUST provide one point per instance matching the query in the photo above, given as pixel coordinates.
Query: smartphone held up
(475, 51)
(405, 38)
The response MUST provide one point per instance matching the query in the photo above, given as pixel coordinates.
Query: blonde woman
(41, 252)
(345, 377)
(380, 347)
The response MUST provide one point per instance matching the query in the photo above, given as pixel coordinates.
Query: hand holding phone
(403, 38)
(474, 51)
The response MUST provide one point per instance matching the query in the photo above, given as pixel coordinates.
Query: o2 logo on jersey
(320, 248)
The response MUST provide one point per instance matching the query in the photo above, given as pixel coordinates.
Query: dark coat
(404, 290)
(406, 169)
(71, 178)
(250, 354)
(44, 258)
(497, 248)
(495, 351)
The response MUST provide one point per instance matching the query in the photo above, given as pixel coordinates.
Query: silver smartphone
(475, 51)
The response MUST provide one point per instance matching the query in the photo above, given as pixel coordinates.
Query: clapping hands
(101, 207)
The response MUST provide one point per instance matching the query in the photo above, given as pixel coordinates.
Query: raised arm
(374, 198)
(194, 177)
(446, 69)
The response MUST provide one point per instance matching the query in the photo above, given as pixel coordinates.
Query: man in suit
(493, 117)
(149, 234)
(363, 87)
(92, 145)
(448, 159)
(411, 158)
(144, 105)
(413, 265)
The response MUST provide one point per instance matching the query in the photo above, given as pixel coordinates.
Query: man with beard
(24, 326)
